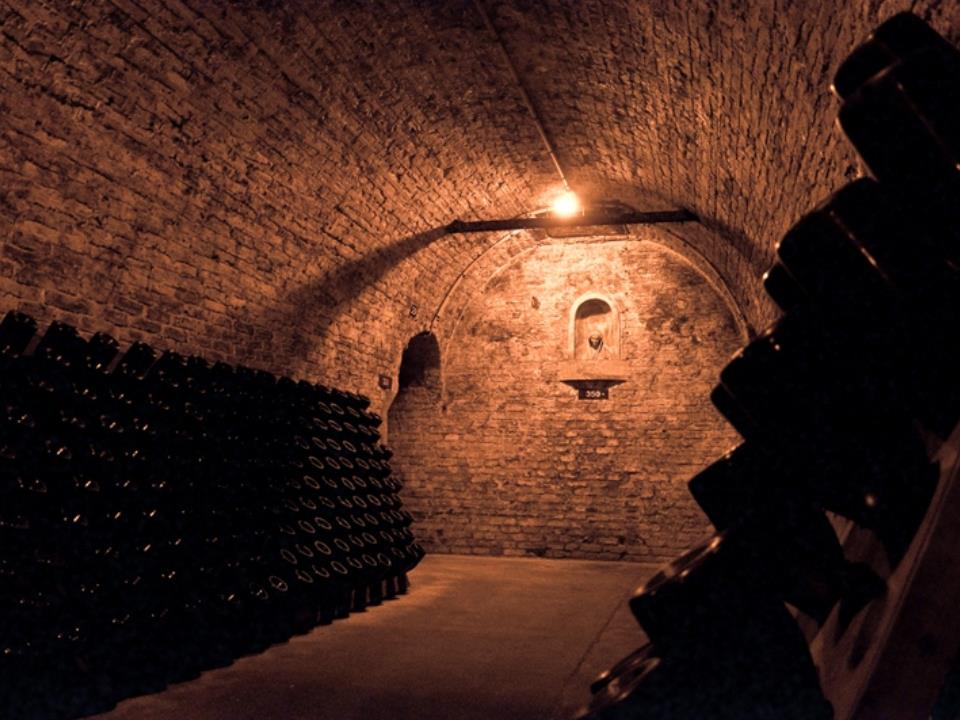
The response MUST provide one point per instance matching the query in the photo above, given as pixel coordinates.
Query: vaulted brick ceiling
(722, 108)
(264, 180)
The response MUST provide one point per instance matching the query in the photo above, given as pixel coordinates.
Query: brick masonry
(250, 181)
(500, 457)
(263, 182)
(721, 106)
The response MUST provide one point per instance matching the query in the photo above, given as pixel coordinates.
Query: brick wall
(721, 106)
(500, 457)
(261, 182)
(250, 181)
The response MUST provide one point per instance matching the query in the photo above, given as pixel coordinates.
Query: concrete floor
(474, 638)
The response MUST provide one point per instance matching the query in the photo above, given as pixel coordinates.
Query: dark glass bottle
(16, 332)
(727, 644)
(748, 489)
(901, 98)
(881, 297)
(840, 446)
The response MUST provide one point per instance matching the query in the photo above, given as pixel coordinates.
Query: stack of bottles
(838, 403)
(161, 515)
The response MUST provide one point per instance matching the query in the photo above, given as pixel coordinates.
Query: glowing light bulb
(567, 205)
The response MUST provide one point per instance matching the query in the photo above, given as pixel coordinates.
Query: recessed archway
(420, 365)
(503, 458)
(594, 327)
(413, 415)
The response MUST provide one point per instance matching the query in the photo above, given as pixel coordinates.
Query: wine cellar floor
(474, 638)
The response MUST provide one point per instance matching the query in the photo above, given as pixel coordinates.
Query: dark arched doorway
(420, 367)
(414, 428)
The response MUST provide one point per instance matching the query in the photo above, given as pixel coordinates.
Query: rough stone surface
(261, 182)
(722, 107)
(254, 182)
(500, 457)
(265, 182)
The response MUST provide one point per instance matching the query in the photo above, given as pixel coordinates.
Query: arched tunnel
(273, 184)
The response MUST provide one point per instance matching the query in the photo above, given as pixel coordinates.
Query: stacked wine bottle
(839, 404)
(162, 515)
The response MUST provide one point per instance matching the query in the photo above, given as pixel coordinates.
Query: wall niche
(594, 344)
(595, 331)
(518, 464)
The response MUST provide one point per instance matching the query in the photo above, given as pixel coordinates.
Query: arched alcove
(418, 383)
(414, 418)
(511, 461)
(594, 328)
(420, 365)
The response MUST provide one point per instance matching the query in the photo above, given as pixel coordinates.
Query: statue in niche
(594, 363)
(596, 344)
(595, 331)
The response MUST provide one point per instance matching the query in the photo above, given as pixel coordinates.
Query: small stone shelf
(593, 378)
(615, 371)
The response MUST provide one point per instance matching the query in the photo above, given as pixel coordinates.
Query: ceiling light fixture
(567, 205)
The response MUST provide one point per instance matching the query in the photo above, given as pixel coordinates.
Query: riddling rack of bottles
(163, 515)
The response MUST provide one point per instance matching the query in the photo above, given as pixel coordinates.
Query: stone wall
(249, 181)
(264, 182)
(501, 457)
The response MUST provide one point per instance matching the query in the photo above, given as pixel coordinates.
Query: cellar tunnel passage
(255, 199)
(202, 176)
(509, 461)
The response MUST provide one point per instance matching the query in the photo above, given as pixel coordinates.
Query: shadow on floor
(476, 638)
